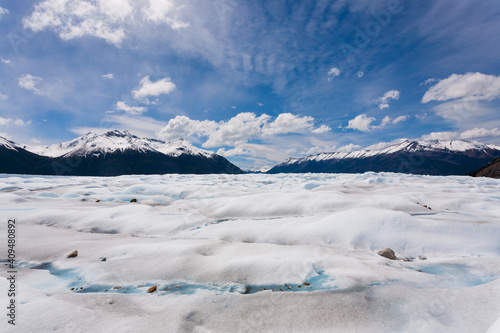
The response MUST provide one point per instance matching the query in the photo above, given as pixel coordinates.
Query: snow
(399, 146)
(218, 245)
(110, 142)
(8, 144)
(179, 147)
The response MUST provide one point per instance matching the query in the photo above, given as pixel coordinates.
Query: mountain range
(111, 154)
(121, 153)
(417, 157)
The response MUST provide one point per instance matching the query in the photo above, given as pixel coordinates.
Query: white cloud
(133, 110)
(318, 150)
(473, 134)
(360, 74)
(477, 133)
(333, 73)
(108, 76)
(3, 97)
(322, 129)
(3, 11)
(104, 19)
(361, 123)
(142, 125)
(5, 61)
(260, 104)
(326, 149)
(238, 151)
(139, 125)
(148, 88)
(465, 88)
(384, 100)
(460, 110)
(462, 98)
(400, 119)
(385, 122)
(289, 123)
(72, 19)
(116, 10)
(323, 147)
(95, 130)
(237, 130)
(428, 81)
(383, 145)
(160, 11)
(267, 152)
(183, 127)
(348, 148)
(29, 82)
(20, 122)
(15, 122)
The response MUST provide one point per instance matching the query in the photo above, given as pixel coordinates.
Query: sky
(254, 81)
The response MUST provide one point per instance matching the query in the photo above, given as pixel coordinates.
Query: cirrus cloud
(133, 110)
(3, 11)
(104, 19)
(473, 134)
(161, 11)
(15, 122)
(30, 82)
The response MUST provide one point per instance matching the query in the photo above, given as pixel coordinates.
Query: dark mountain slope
(430, 158)
(112, 154)
(491, 170)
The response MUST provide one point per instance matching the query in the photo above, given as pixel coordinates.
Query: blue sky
(256, 81)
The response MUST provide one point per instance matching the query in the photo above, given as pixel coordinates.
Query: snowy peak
(437, 145)
(402, 156)
(458, 145)
(179, 147)
(111, 154)
(92, 144)
(392, 148)
(8, 144)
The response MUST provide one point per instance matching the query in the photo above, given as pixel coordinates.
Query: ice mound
(246, 253)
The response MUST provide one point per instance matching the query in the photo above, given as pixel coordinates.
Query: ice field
(253, 253)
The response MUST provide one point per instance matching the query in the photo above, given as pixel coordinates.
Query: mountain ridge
(455, 157)
(113, 153)
(113, 141)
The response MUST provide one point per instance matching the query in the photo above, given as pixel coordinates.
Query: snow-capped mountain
(111, 154)
(92, 144)
(422, 157)
(8, 144)
(405, 146)
(15, 159)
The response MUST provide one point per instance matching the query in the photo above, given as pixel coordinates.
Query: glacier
(253, 253)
